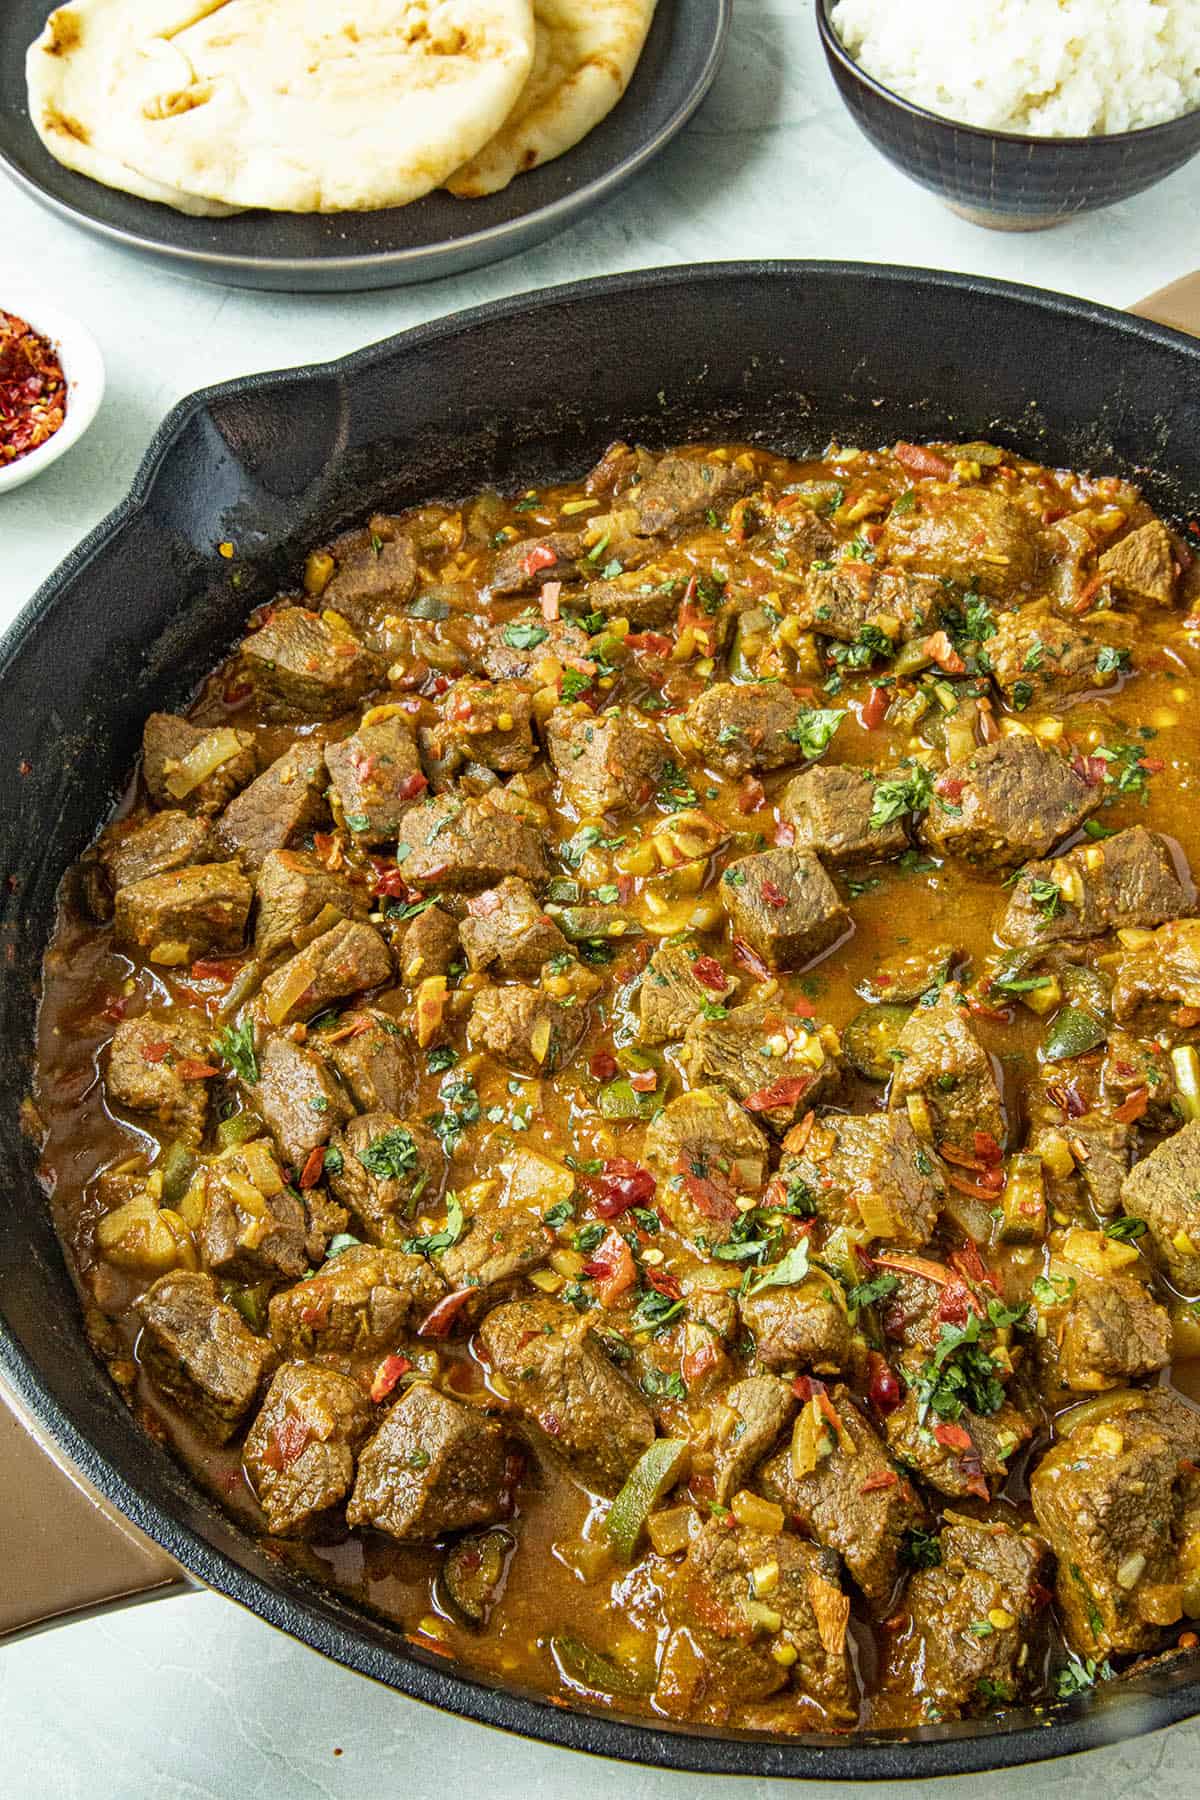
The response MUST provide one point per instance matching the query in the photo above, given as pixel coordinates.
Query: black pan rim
(418, 262)
(371, 1649)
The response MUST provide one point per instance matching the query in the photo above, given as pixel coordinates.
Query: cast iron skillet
(789, 353)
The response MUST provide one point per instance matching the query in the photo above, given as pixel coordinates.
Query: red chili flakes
(773, 895)
(33, 390)
(710, 974)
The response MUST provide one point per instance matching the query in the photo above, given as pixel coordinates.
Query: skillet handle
(69, 1554)
(1177, 305)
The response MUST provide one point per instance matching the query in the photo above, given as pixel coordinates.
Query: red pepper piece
(710, 974)
(619, 1185)
(923, 463)
(387, 1375)
(787, 1091)
(540, 557)
(314, 1167)
(873, 710)
(437, 1323)
(612, 1268)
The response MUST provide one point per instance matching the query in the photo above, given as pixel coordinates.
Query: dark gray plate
(343, 252)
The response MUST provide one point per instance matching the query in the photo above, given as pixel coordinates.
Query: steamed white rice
(1050, 68)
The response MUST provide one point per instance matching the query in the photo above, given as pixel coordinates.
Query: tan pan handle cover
(68, 1552)
(1177, 305)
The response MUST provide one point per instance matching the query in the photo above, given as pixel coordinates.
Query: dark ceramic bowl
(1000, 178)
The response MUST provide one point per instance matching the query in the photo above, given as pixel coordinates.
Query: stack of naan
(212, 106)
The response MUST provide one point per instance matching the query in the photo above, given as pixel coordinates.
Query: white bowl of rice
(1022, 112)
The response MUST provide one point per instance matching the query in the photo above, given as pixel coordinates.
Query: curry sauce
(624, 1087)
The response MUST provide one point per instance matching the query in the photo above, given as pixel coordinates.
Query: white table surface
(191, 1697)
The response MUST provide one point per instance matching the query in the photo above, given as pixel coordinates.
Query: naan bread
(60, 84)
(296, 105)
(584, 59)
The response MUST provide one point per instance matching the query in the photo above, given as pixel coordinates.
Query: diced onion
(201, 761)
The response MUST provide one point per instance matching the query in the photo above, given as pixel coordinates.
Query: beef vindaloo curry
(625, 1087)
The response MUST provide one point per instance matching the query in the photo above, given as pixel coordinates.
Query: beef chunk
(605, 764)
(1113, 1501)
(620, 468)
(706, 1151)
(761, 1407)
(829, 807)
(804, 1327)
(1100, 1331)
(1007, 802)
(490, 722)
(870, 1171)
(201, 1354)
(680, 488)
(154, 1066)
(672, 994)
(829, 1502)
(1037, 658)
(462, 845)
(774, 1062)
(186, 913)
(430, 945)
(939, 1454)
(648, 598)
(976, 537)
(137, 849)
(286, 801)
(565, 1386)
(300, 1449)
(513, 651)
(1142, 566)
(304, 667)
(382, 1166)
(348, 958)
(854, 601)
(297, 1097)
(433, 1466)
(294, 889)
(943, 1656)
(1168, 968)
(245, 1238)
(1130, 879)
(498, 1246)
(506, 931)
(172, 749)
(376, 774)
(375, 1058)
(1164, 1190)
(783, 905)
(524, 567)
(364, 1300)
(531, 1032)
(722, 1655)
(945, 1066)
(908, 977)
(738, 728)
(373, 580)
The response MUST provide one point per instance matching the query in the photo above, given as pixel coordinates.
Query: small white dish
(83, 367)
